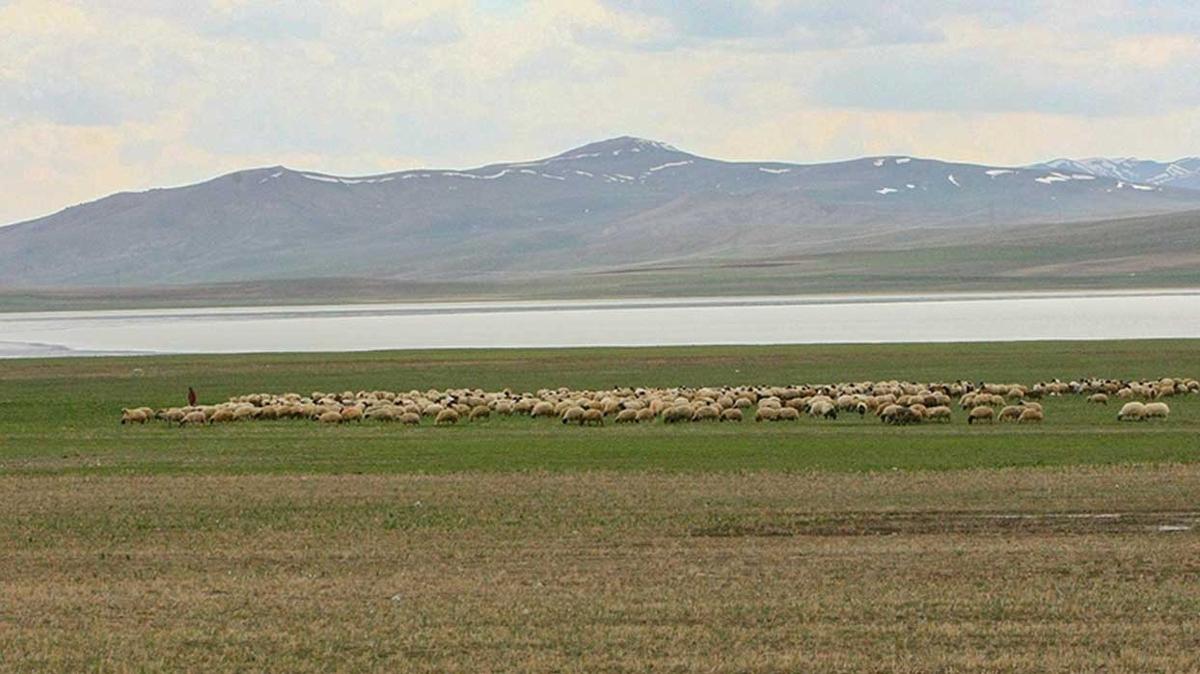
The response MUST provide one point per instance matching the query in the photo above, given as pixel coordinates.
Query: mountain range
(1184, 173)
(616, 204)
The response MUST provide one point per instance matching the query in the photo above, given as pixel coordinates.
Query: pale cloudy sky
(98, 96)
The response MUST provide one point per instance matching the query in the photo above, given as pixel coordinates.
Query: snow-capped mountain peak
(1181, 173)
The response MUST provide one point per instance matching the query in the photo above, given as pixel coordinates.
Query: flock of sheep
(893, 402)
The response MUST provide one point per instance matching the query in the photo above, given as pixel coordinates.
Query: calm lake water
(792, 320)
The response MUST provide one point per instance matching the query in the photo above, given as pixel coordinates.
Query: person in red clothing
(191, 397)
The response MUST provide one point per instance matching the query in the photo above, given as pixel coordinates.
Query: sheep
(1010, 413)
(446, 417)
(788, 414)
(330, 418)
(135, 416)
(677, 414)
(193, 418)
(593, 418)
(479, 412)
(221, 415)
(1031, 415)
(731, 414)
(898, 415)
(766, 414)
(645, 414)
(352, 414)
(381, 414)
(938, 413)
(823, 408)
(573, 415)
(626, 416)
(542, 409)
(1156, 411)
(706, 413)
(1132, 411)
(981, 414)
(1098, 399)
(410, 419)
(173, 415)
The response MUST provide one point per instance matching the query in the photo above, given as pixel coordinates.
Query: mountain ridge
(601, 205)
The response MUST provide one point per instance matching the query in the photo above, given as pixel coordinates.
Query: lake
(747, 320)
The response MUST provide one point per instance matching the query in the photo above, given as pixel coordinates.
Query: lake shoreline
(753, 320)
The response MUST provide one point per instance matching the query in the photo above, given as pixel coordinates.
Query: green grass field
(61, 415)
(522, 545)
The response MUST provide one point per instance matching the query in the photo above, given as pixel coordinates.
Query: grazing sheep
(193, 418)
(1031, 415)
(446, 417)
(330, 418)
(133, 417)
(645, 414)
(706, 413)
(1156, 411)
(573, 415)
(1132, 411)
(352, 414)
(982, 413)
(381, 414)
(731, 414)
(479, 412)
(938, 413)
(676, 414)
(767, 414)
(542, 409)
(823, 408)
(788, 414)
(221, 415)
(898, 415)
(626, 416)
(592, 418)
(410, 419)
(1098, 399)
(1010, 413)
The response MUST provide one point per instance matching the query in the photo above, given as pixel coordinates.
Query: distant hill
(1181, 173)
(605, 206)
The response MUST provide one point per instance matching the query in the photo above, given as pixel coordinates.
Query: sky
(109, 95)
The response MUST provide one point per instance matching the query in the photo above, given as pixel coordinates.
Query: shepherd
(191, 397)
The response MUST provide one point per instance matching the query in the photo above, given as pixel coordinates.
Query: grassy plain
(522, 546)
